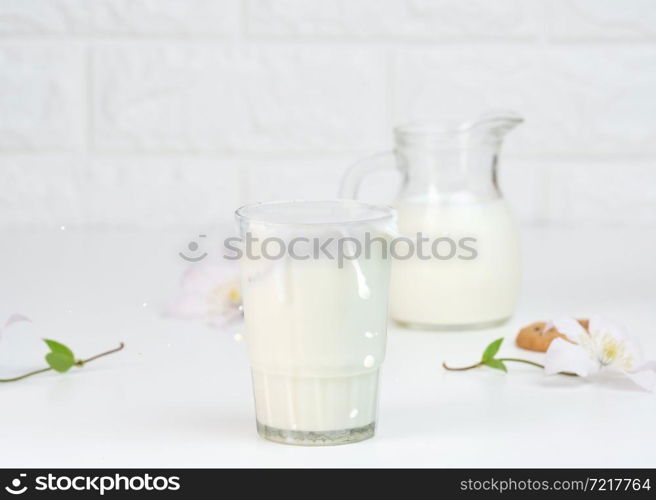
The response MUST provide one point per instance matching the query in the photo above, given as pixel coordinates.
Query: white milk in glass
(450, 190)
(316, 337)
(460, 290)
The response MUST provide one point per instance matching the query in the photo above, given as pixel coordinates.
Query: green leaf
(60, 358)
(491, 350)
(495, 363)
(59, 347)
(59, 362)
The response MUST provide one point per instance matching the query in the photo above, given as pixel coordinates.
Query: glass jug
(468, 273)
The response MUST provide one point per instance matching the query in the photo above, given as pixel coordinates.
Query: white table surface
(179, 395)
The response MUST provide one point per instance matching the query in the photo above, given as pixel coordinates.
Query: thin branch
(513, 360)
(106, 353)
(461, 368)
(21, 377)
(79, 363)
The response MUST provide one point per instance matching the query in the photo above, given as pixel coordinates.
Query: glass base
(316, 438)
(468, 326)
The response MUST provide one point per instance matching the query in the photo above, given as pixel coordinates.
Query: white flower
(604, 346)
(209, 290)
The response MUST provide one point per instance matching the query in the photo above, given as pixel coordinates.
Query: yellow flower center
(612, 351)
(222, 298)
(234, 296)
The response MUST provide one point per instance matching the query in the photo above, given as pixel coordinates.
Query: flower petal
(14, 318)
(600, 324)
(226, 320)
(563, 356)
(209, 290)
(187, 307)
(569, 327)
(203, 277)
(602, 328)
(645, 376)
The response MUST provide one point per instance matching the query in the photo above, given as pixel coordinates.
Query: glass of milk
(449, 190)
(315, 315)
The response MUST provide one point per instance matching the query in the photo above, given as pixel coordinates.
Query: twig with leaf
(61, 359)
(488, 359)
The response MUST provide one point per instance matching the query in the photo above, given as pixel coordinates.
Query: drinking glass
(315, 278)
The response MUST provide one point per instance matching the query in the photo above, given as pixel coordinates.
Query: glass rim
(378, 212)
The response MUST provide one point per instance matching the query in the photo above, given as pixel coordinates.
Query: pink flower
(14, 318)
(210, 290)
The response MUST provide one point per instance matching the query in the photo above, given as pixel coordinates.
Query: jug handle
(355, 174)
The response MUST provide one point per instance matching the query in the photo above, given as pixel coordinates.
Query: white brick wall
(215, 97)
(428, 19)
(170, 113)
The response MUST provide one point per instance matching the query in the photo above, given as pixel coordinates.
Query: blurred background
(137, 114)
(130, 130)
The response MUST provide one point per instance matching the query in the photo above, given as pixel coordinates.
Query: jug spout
(493, 125)
(458, 161)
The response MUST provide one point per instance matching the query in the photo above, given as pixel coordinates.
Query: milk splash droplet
(363, 289)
